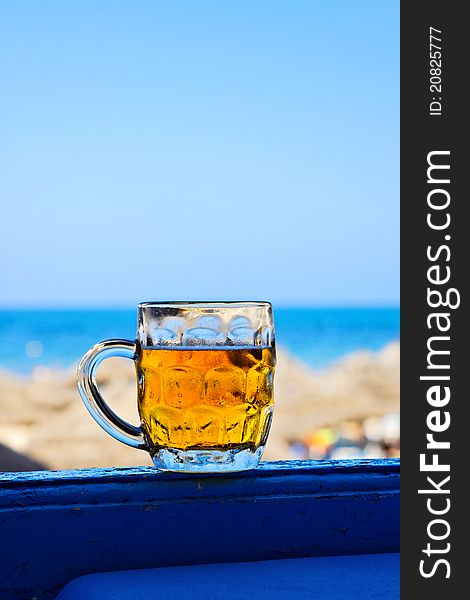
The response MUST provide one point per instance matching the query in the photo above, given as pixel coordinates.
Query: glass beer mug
(204, 384)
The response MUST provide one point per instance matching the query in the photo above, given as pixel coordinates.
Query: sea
(58, 338)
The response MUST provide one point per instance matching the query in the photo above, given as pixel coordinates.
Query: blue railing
(56, 526)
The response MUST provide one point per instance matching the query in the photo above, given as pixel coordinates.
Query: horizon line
(125, 307)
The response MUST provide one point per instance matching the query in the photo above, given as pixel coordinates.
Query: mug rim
(206, 304)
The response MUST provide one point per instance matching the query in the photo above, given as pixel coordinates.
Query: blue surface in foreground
(322, 578)
(316, 336)
(57, 526)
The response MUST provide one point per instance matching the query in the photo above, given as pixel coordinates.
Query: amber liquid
(205, 398)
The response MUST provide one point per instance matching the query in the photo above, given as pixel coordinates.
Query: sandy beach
(45, 423)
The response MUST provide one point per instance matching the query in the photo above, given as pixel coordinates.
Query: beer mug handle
(94, 401)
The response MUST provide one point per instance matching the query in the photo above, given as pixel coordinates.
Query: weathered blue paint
(55, 526)
(322, 578)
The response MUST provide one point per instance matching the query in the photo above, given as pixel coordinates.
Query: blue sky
(190, 150)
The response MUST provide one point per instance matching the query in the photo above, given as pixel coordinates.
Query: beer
(205, 398)
(205, 384)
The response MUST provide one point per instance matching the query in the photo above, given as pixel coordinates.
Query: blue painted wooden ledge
(56, 526)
